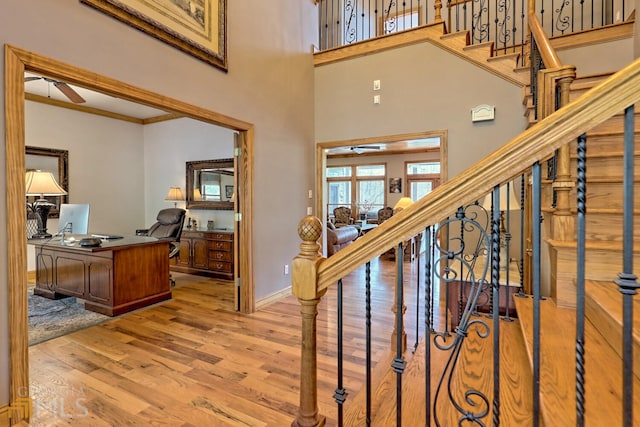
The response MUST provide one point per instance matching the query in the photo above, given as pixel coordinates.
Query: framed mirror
(54, 161)
(210, 184)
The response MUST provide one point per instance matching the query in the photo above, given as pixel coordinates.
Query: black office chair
(168, 227)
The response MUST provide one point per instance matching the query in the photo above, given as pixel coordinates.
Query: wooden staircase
(603, 329)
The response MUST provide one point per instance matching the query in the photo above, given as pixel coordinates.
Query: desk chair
(168, 227)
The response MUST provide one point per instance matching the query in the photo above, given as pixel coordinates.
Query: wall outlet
(376, 99)
(286, 269)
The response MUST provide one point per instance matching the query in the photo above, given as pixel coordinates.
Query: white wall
(167, 147)
(269, 84)
(106, 167)
(416, 96)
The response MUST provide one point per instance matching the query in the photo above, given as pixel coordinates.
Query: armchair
(342, 215)
(168, 227)
(384, 214)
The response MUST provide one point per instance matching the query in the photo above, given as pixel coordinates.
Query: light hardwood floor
(192, 361)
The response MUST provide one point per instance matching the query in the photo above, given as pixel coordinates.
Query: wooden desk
(117, 277)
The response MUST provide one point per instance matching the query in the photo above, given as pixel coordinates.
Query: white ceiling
(385, 148)
(93, 99)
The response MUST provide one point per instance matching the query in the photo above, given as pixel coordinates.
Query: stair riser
(608, 227)
(600, 195)
(602, 144)
(611, 167)
(615, 124)
(600, 264)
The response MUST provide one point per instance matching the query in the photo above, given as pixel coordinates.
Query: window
(422, 178)
(360, 187)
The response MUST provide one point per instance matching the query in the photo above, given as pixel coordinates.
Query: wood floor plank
(193, 361)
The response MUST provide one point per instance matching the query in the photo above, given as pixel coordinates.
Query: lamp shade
(403, 203)
(41, 184)
(174, 195)
(196, 194)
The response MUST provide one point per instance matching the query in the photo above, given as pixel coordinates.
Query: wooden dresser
(206, 252)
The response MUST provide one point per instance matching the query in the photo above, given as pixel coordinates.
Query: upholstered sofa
(338, 238)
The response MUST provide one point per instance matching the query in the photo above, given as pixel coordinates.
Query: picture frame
(197, 30)
(395, 185)
(228, 191)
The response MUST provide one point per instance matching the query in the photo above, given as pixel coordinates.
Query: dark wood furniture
(206, 252)
(458, 294)
(117, 277)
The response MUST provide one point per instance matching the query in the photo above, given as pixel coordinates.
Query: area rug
(53, 318)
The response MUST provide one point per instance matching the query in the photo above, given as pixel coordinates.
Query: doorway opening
(368, 174)
(17, 62)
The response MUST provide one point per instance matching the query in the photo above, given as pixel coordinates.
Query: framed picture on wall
(228, 191)
(395, 185)
(195, 27)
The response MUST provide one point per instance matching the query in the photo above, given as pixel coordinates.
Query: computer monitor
(74, 218)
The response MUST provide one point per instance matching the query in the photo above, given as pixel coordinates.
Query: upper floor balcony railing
(504, 22)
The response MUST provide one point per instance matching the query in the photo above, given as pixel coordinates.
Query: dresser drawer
(220, 236)
(221, 245)
(220, 256)
(225, 267)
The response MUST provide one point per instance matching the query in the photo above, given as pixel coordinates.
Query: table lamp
(42, 184)
(508, 201)
(403, 203)
(174, 195)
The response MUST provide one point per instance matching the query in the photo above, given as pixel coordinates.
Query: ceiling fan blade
(365, 147)
(29, 79)
(69, 92)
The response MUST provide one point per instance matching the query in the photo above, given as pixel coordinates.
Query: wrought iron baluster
(368, 338)
(507, 242)
(495, 284)
(627, 281)
(581, 229)
(398, 363)
(522, 236)
(535, 214)
(417, 243)
(428, 324)
(340, 394)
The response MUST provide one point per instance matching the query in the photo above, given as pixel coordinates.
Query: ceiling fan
(67, 90)
(359, 149)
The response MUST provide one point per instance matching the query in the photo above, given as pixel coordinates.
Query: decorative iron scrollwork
(462, 259)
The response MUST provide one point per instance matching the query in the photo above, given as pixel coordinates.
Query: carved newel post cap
(309, 230)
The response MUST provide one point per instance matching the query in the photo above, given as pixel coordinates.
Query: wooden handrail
(547, 52)
(533, 145)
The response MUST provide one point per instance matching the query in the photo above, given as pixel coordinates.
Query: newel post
(304, 273)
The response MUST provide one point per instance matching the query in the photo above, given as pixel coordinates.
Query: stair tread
(603, 376)
(603, 304)
(593, 244)
(608, 296)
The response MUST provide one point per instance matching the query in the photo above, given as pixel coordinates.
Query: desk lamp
(174, 195)
(42, 184)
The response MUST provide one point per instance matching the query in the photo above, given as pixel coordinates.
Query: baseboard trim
(4, 416)
(273, 298)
